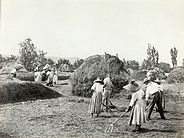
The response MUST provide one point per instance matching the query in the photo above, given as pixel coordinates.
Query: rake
(107, 107)
(110, 128)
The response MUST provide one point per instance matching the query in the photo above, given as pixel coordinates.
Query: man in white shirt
(153, 91)
(108, 86)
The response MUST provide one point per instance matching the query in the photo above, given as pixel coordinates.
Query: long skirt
(55, 79)
(137, 115)
(96, 102)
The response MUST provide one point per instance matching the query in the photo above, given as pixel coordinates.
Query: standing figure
(154, 93)
(108, 86)
(49, 78)
(55, 77)
(136, 106)
(43, 75)
(37, 74)
(96, 100)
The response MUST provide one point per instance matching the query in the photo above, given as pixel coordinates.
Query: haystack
(8, 66)
(98, 65)
(142, 74)
(176, 76)
(65, 68)
(16, 91)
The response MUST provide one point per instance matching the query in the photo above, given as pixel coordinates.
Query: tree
(50, 61)
(164, 66)
(64, 61)
(77, 63)
(41, 60)
(152, 56)
(28, 54)
(131, 64)
(2, 59)
(174, 53)
(146, 64)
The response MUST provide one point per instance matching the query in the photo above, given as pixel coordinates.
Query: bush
(176, 76)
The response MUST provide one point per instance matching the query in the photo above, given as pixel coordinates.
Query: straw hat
(98, 80)
(146, 80)
(133, 86)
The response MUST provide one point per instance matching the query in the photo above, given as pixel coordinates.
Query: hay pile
(16, 91)
(7, 67)
(94, 66)
(65, 68)
(176, 76)
(141, 74)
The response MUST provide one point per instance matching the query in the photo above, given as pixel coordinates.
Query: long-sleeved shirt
(153, 88)
(108, 84)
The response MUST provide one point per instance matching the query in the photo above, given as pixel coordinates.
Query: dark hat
(98, 80)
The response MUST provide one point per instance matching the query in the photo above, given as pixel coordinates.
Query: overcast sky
(82, 28)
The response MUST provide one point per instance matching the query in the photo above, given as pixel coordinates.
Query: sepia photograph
(91, 68)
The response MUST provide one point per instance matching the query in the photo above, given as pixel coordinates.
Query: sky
(81, 28)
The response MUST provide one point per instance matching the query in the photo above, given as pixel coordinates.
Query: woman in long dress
(137, 105)
(96, 100)
(55, 76)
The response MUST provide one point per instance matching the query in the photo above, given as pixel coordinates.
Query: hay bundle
(16, 91)
(7, 67)
(65, 68)
(176, 76)
(94, 66)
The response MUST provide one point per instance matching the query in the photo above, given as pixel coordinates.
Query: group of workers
(144, 95)
(48, 74)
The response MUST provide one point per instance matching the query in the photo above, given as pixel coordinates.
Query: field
(68, 116)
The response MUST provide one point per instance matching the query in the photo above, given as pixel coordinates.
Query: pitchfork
(110, 128)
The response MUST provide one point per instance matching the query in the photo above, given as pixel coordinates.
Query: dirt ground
(68, 116)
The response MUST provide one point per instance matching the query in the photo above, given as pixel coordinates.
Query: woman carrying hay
(96, 100)
(136, 106)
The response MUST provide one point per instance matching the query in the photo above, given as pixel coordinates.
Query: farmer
(154, 93)
(49, 78)
(136, 106)
(108, 86)
(96, 100)
(37, 74)
(55, 77)
(43, 75)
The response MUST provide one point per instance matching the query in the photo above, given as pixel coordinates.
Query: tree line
(31, 57)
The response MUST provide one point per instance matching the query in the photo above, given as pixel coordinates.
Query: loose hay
(16, 91)
(176, 76)
(8, 66)
(94, 66)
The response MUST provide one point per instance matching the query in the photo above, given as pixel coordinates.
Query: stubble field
(67, 116)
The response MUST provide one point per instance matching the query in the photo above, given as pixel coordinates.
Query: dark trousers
(156, 99)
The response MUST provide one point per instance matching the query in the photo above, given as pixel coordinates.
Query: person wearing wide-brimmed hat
(136, 106)
(153, 93)
(37, 74)
(49, 77)
(96, 100)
